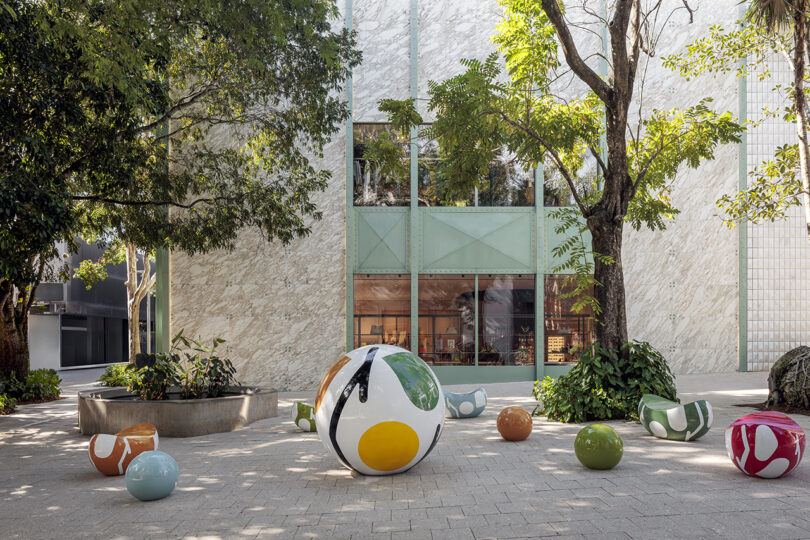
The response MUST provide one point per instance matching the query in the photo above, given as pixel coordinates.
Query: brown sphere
(514, 424)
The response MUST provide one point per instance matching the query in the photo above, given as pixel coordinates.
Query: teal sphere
(598, 447)
(152, 475)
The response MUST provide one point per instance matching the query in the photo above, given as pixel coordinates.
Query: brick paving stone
(271, 481)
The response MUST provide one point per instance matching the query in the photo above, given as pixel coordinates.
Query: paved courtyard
(272, 481)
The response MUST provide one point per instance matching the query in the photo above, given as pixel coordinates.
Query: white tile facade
(778, 253)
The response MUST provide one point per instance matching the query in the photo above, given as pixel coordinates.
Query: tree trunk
(133, 303)
(800, 29)
(611, 326)
(13, 334)
(136, 292)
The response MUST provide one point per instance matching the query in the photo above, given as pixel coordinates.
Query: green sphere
(598, 447)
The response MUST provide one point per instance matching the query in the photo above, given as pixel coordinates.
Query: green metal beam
(349, 201)
(414, 177)
(742, 246)
(540, 275)
(162, 301)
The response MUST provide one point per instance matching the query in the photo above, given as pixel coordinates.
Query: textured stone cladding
(682, 293)
(280, 308)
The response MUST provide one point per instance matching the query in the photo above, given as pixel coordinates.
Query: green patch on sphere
(416, 379)
(598, 447)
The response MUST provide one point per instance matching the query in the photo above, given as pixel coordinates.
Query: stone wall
(282, 310)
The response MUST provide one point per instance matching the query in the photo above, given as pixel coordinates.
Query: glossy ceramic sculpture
(303, 416)
(514, 424)
(675, 421)
(151, 476)
(465, 405)
(112, 454)
(379, 410)
(765, 444)
(598, 446)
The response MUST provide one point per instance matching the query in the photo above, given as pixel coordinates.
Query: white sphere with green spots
(379, 410)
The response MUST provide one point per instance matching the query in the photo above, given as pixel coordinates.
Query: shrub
(605, 384)
(202, 373)
(116, 375)
(151, 375)
(41, 384)
(7, 404)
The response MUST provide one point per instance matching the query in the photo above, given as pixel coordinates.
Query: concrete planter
(110, 411)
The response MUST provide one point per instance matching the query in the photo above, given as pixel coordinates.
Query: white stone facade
(282, 310)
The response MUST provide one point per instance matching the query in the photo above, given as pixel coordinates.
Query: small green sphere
(598, 447)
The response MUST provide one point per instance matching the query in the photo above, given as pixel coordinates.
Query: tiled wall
(778, 253)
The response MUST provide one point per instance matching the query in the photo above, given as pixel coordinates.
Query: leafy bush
(151, 375)
(116, 375)
(7, 404)
(201, 373)
(204, 374)
(605, 385)
(41, 384)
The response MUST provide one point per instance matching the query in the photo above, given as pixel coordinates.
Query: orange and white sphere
(112, 454)
(379, 410)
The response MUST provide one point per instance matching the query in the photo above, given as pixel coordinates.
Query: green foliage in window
(605, 384)
(116, 375)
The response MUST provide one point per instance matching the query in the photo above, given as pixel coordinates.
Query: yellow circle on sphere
(388, 446)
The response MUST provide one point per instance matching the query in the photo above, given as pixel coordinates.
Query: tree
(244, 95)
(478, 114)
(57, 124)
(772, 27)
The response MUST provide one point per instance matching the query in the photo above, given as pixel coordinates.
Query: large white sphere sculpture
(379, 410)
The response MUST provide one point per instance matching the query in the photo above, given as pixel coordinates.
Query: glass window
(567, 333)
(557, 192)
(506, 320)
(447, 319)
(373, 187)
(507, 183)
(382, 307)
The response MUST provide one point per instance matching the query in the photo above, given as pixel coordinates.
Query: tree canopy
(521, 113)
(163, 123)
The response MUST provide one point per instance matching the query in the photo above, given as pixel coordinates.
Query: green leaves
(671, 140)
(605, 384)
(774, 188)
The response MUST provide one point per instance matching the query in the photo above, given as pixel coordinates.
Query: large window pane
(567, 333)
(557, 192)
(373, 187)
(507, 182)
(382, 307)
(447, 319)
(506, 320)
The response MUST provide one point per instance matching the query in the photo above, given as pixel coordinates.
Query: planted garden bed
(110, 411)
(187, 392)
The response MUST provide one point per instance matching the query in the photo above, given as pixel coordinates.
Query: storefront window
(373, 186)
(567, 333)
(557, 192)
(447, 319)
(507, 183)
(382, 307)
(506, 320)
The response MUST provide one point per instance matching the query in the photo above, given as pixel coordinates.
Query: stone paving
(272, 481)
